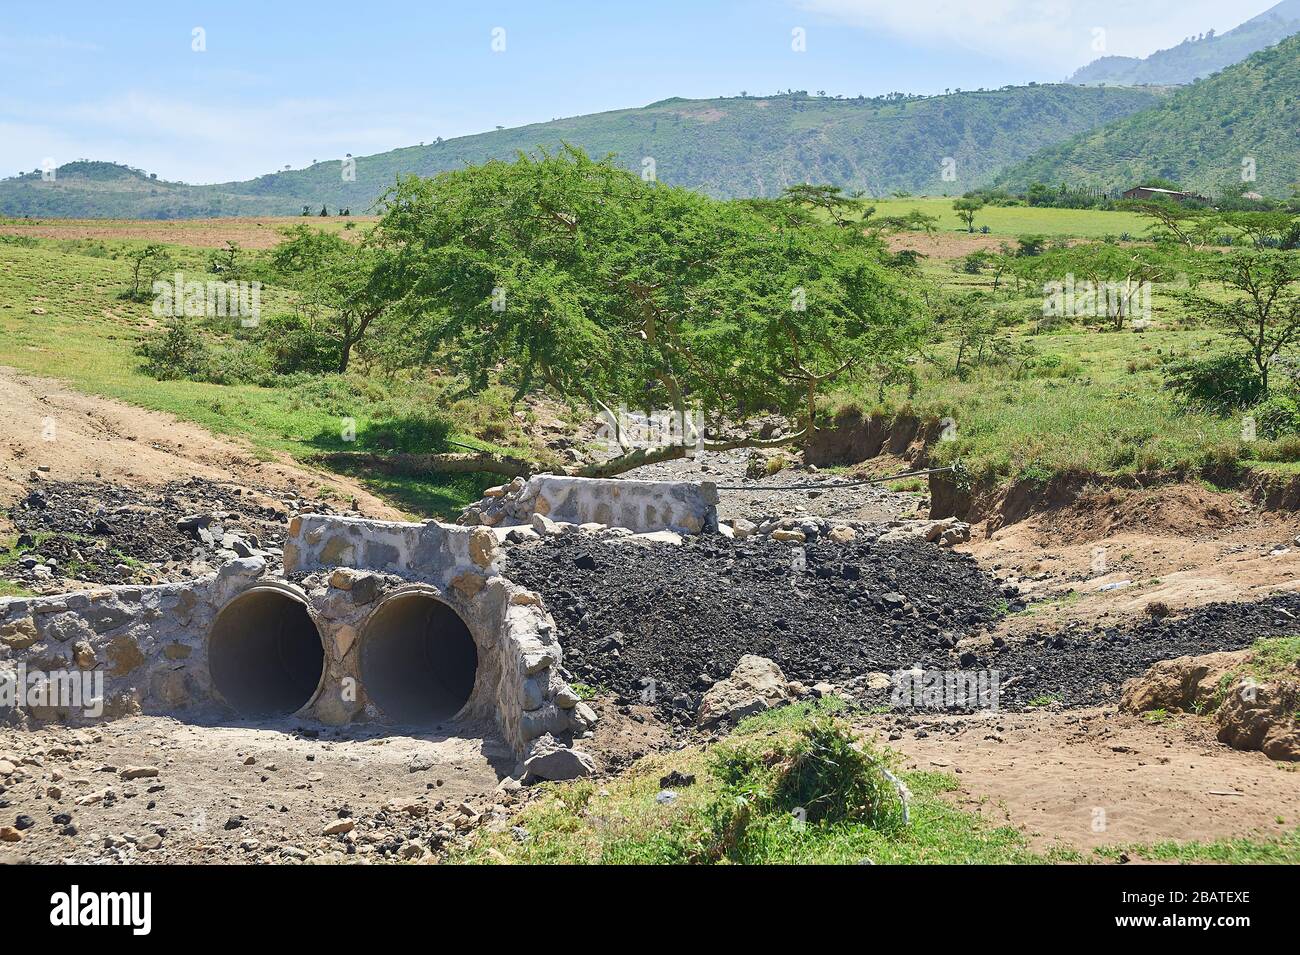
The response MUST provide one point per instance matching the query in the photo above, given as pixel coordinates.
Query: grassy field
(1022, 220)
(1091, 401)
(261, 232)
(60, 316)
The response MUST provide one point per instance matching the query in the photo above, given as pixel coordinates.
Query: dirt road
(49, 429)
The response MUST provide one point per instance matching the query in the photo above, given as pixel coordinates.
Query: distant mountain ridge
(1197, 57)
(1204, 137)
(729, 147)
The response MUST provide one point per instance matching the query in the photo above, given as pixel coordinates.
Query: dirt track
(64, 435)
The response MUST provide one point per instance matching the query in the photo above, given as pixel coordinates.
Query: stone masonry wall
(641, 506)
(151, 643)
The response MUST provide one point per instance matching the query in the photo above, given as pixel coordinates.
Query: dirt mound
(1254, 710)
(63, 435)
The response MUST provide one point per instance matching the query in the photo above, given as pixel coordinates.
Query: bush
(413, 433)
(1221, 383)
(1277, 416)
(294, 345)
(244, 364)
(821, 775)
(178, 351)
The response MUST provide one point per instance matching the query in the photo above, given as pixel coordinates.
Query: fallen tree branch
(673, 452)
(415, 465)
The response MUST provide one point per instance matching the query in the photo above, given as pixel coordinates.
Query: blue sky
(284, 83)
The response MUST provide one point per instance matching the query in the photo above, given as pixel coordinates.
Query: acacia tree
(147, 264)
(967, 208)
(1115, 272)
(344, 287)
(970, 324)
(572, 273)
(1261, 305)
(851, 210)
(1173, 221)
(1262, 229)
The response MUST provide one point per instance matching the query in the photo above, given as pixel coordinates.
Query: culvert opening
(418, 659)
(265, 654)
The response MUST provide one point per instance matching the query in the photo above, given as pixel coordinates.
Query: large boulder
(548, 758)
(756, 684)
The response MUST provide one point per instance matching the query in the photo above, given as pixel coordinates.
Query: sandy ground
(1181, 546)
(242, 793)
(63, 435)
(1094, 777)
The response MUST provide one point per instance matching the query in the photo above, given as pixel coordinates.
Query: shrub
(1221, 383)
(413, 433)
(1277, 416)
(295, 345)
(821, 775)
(775, 464)
(240, 365)
(177, 351)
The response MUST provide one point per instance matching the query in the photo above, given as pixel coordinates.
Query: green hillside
(730, 147)
(1198, 136)
(1196, 57)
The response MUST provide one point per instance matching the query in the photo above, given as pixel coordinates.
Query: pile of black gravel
(633, 614)
(637, 615)
(1082, 669)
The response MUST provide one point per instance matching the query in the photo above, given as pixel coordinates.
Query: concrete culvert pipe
(265, 654)
(418, 659)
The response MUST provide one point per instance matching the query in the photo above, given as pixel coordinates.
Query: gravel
(660, 624)
(635, 615)
(1087, 668)
(100, 533)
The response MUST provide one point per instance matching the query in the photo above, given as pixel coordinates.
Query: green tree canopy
(344, 287)
(573, 273)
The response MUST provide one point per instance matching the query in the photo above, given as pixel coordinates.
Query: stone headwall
(518, 682)
(150, 643)
(641, 506)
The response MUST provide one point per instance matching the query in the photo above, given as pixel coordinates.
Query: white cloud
(1054, 35)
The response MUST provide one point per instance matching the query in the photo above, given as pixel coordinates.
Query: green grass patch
(60, 316)
(1284, 850)
(1022, 220)
(1275, 658)
(790, 786)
